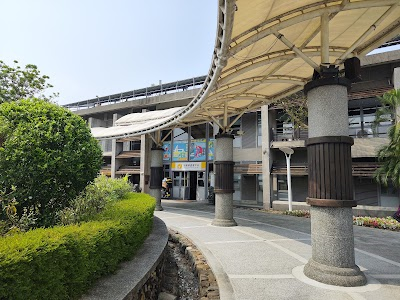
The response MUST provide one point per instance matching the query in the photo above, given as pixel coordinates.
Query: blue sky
(99, 47)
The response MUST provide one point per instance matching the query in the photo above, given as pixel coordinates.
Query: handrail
(143, 92)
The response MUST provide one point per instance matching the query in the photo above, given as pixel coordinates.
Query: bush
(47, 156)
(62, 262)
(94, 198)
(298, 213)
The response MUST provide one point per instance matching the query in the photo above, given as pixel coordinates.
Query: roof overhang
(266, 50)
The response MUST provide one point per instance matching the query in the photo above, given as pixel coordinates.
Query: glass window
(237, 141)
(134, 145)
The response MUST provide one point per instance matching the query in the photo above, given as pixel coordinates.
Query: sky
(92, 48)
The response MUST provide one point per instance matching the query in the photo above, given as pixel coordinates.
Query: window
(237, 141)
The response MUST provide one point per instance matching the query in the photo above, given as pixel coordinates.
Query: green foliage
(17, 83)
(296, 109)
(94, 198)
(10, 221)
(298, 213)
(62, 262)
(387, 112)
(47, 156)
(389, 154)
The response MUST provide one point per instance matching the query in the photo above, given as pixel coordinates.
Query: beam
(284, 57)
(325, 39)
(310, 14)
(365, 34)
(296, 50)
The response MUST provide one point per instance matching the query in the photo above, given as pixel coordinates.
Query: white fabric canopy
(268, 49)
(130, 124)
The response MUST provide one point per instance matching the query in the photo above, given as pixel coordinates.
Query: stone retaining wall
(207, 282)
(139, 278)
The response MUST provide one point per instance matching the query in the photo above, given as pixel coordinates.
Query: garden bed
(387, 223)
(62, 262)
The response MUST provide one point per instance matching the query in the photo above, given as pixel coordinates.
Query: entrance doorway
(184, 185)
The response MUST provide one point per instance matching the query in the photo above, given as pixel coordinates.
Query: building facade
(260, 167)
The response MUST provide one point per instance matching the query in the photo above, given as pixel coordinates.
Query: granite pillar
(330, 185)
(156, 174)
(223, 168)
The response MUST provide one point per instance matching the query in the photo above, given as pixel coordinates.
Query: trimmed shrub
(62, 262)
(94, 198)
(47, 156)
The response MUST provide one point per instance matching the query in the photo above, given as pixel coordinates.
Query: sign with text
(188, 166)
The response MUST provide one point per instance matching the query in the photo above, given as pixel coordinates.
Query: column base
(158, 208)
(224, 222)
(347, 277)
(156, 193)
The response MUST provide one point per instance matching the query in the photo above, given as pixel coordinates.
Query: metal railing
(289, 134)
(355, 131)
(181, 85)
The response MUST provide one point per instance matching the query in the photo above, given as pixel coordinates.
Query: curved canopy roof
(266, 50)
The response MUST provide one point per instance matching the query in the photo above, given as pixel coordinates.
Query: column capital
(327, 81)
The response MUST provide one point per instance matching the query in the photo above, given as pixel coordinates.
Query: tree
(389, 154)
(296, 109)
(17, 83)
(47, 156)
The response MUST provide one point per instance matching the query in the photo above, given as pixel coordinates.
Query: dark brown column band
(330, 181)
(156, 174)
(223, 177)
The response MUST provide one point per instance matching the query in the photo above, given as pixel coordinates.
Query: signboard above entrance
(188, 166)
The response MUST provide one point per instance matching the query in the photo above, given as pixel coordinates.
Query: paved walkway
(263, 257)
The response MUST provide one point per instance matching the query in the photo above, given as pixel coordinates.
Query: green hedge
(62, 262)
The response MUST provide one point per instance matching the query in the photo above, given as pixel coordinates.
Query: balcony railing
(289, 134)
(355, 131)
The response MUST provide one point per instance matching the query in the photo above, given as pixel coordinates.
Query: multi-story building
(260, 167)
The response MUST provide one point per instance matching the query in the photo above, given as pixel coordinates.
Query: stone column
(223, 168)
(145, 157)
(115, 162)
(266, 157)
(330, 187)
(156, 173)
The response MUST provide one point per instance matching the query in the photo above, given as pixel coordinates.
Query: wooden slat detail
(330, 170)
(248, 169)
(128, 170)
(359, 169)
(156, 174)
(129, 154)
(223, 177)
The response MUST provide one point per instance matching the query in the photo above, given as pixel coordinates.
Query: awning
(130, 124)
(268, 49)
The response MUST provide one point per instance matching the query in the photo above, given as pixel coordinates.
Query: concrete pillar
(115, 162)
(266, 157)
(145, 146)
(156, 165)
(330, 185)
(223, 168)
